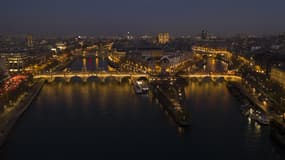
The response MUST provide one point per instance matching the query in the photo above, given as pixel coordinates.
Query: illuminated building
(129, 36)
(118, 54)
(278, 74)
(61, 46)
(109, 46)
(115, 57)
(81, 43)
(16, 62)
(163, 38)
(30, 41)
(170, 59)
(151, 53)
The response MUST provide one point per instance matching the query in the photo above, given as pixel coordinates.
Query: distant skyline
(117, 17)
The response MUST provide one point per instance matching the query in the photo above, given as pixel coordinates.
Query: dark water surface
(74, 121)
(109, 121)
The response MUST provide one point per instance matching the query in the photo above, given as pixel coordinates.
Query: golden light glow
(163, 38)
(215, 51)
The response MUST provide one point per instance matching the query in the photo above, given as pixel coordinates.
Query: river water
(109, 121)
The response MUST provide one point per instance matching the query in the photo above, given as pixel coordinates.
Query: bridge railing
(89, 73)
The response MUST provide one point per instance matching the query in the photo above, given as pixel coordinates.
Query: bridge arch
(220, 79)
(193, 79)
(75, 79)
(93, 79)
(142, 78)
(206, 79)
(49, 80)
(126, 79)
(111, 79)
(58, 79)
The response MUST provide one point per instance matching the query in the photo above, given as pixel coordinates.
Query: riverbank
(253, 99)
(264, 107)
(64, 65)
(10, 116)
(84, 116)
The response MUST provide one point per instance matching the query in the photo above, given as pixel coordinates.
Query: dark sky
(113, 17)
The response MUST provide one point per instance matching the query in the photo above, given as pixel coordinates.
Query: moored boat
(140, 87)
(259, 117)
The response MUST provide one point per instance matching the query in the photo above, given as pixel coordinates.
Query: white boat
(261, 118)
(140, 87)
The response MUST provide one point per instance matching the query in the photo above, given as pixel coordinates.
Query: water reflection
(84, 66)
(91, 63)
(180, 131)
(97, 62)
(88, 120)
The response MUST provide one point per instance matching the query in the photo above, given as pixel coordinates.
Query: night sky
(113, 17)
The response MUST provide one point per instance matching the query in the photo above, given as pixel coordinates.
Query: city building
(16, 62)
(3, 70)
(163, 38)
(204, 34)
(61, 46)
(255, 48)
(278, 74)
(146, 37)
(119, 54)
(30, 41)
(170, 59)
(129, 36)
(149, 54)
(109, 46)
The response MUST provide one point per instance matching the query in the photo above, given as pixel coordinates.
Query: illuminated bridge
(214, 51)
(219, 53)
(213, 77)
(119, 76)
(84, 76)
